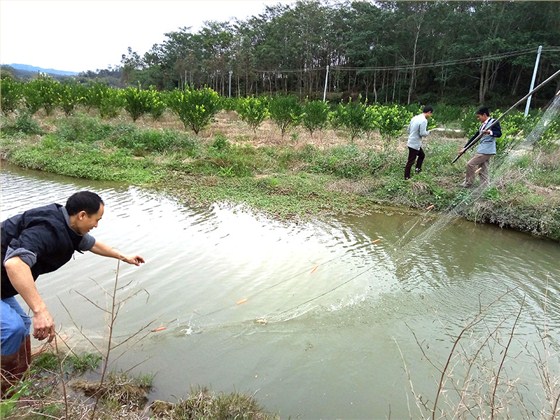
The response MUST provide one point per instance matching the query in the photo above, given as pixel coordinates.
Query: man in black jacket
(35, 242)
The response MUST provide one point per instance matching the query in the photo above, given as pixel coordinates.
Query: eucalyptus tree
(364, 45)
(216, 43)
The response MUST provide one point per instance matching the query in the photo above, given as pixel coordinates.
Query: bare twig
(505, 353)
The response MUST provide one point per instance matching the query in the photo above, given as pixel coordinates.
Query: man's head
(85, 209)
(428, 111)
(483, 114)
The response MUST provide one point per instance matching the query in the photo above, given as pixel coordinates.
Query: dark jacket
(44, 232)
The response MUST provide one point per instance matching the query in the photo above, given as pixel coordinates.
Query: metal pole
(326, 83)
(533, 79)
(229, 89)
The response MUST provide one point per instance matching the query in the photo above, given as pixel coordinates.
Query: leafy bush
(195, 107)
(315, 115)
(72, 94)
(137, 102)
(42, 92)
(24, 124)
(111, 104)
(157, 105)
(11, 94)
(253, 111)
(83, 128)
(392, 119)
(352, 116)
(285, 111)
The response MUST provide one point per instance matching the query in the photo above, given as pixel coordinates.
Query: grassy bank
(67, 386)
(296, 175)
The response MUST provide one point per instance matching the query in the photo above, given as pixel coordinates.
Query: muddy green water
(343, 318)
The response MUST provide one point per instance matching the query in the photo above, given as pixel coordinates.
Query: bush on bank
(296, 176)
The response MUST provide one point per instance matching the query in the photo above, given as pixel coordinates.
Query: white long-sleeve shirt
(417, 129)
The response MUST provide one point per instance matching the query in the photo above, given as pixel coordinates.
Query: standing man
(35, 242)
(417, 129)
(488, 132)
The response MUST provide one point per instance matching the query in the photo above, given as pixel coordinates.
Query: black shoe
(418, 170)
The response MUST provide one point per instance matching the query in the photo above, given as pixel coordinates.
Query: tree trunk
(413, 73)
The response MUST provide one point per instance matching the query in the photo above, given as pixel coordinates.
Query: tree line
(385, 51)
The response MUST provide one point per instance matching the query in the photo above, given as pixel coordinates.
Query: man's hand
(105, 250)
(136, 259)
(43, 325)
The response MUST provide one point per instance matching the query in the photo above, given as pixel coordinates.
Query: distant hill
(33, 70)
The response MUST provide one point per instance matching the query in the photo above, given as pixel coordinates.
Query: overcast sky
(80, 35)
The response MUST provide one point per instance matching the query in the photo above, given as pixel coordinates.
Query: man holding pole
(489, 131)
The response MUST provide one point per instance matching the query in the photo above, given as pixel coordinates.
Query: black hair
(427, 109)
(483, 111)
(83, 201)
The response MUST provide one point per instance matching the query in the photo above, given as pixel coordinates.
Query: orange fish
(430, 207)
(159, 329)
(376, 241)
(314, 268)
(241, 301)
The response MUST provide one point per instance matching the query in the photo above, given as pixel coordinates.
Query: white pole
(533, 80)
(326, 83)
(229, 83)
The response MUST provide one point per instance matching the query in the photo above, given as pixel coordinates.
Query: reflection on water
(314, 316)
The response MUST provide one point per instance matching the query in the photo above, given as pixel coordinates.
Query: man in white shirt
(417, 129)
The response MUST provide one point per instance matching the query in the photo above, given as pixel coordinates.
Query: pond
(353, 317)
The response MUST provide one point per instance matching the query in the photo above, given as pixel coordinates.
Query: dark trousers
(412, 155)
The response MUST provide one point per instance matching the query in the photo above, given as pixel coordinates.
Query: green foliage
(195, 107)
(352, 116)
(469, 123)
(202, 404)
(285, 111)
(71, 363)
(392, 119)
(229, 104)
(95, 93)
(141, 142)
(139, 102)
(315, 115)
(112, 102)
(447, 114)
(83, 363)
(42, 92)
(220, 142)
(82, 128)
(11, 93)
(72, 94)
(342, 161)
(253, 111)
(24, 124)
(157, 105)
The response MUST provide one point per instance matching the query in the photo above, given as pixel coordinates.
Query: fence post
(326, 83)
(533, 80)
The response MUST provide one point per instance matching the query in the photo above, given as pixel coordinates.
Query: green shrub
(253, 111)
(195, 108)
(72, 94)
(285, 111)
(351, 116)
(11, 94)
(315, 115)
(137, 102)
(42, 92)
